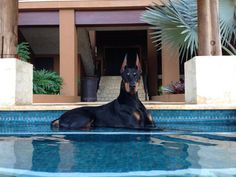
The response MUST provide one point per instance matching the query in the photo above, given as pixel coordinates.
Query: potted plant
(19, 80)
(44, 81)
(173, 88)
(89, 88)
(174, 92)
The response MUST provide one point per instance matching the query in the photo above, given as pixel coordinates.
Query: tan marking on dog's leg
(149, 116)
(56, 123)
(137, 115)
(150, 119)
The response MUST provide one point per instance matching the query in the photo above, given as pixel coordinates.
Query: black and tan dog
(126, 111)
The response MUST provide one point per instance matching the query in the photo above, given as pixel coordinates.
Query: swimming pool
(28, 147)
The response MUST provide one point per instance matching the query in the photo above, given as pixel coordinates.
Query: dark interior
(115, 44)
(114, 58)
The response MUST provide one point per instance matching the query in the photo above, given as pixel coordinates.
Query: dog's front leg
(139, 118)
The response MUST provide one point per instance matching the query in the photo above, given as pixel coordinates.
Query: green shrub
(23, 51)
(46, 82)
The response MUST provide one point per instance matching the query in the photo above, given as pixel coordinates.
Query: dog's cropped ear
(138, 65)
(123, 64)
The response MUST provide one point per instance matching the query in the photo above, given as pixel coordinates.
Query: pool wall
(160, 116)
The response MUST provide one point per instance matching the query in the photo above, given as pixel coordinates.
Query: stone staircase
(109, 88)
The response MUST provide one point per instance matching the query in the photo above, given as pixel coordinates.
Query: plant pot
(16, 78)
(89, 89)
(210, 80)
(169, 98)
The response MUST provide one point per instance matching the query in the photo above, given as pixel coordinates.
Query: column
(215, 24)
(152, 65)
(8, 28)
(68, 52)
(170, 64)
(204, 27)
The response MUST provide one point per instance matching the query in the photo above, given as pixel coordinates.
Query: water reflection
(117, 153)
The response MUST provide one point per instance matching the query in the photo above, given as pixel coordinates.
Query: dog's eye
(134, 74)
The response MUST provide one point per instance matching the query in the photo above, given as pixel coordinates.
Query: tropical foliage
(22, 50)
(46, 82)
(175, 23)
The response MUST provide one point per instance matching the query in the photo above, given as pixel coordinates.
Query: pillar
(92, 38)
(68, 53)
(170, 64)
(204, 27)
(152, 65)
(8, 28)
(208, 28)
(215, 42)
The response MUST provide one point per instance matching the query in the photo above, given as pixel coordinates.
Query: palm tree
(175, 23)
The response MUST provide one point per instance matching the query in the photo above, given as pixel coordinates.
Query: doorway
(114, 57)
(112, 46)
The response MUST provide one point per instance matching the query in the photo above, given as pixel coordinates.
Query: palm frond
(175, 24)
(227, 20)
(229, 48)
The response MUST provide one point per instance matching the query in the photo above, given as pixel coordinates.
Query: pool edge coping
(148, 105)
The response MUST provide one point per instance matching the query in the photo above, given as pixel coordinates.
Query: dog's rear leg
(55, 123)
(89, 125)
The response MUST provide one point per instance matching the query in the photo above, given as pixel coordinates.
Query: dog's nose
(132, 87)
(132, 84)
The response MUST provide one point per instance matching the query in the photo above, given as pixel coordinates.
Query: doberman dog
(126, 111)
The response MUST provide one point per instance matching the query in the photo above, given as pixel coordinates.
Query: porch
(75, 48)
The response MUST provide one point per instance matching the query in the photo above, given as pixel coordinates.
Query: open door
(114, 57)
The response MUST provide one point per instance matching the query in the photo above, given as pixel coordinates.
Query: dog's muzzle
(132, 87)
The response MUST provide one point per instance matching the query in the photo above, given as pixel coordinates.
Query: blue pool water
(127, 154)
(185, 147)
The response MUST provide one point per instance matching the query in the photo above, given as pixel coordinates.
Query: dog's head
(131, 76)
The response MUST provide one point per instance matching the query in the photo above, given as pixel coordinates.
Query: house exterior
(78, 38)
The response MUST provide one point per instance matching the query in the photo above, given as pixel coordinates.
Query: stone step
(111, 91)
(110, 98)
(109, 88)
